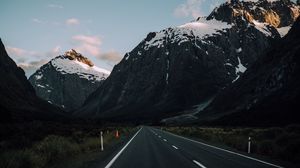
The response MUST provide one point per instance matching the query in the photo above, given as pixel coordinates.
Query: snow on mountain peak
(203, 27)
(200, 28)
(74, 63)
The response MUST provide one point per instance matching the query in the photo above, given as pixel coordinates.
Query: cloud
(87, 44)
(19, 52)
(54, 52)
(55, 6)
(35, 20)
(21, 57)
(111, 56)
(91, 40)
(32, 66)
(189, 8)
(72, 22)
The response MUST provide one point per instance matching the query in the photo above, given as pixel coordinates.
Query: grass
(277, 143)
(55, 147)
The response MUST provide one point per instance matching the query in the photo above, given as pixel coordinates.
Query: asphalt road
(153, 148)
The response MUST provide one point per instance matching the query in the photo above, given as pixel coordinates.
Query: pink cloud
(24, 58)
(72, 21)
(112, 56)
(19, 52)
(189, 8)
(89, 49)
(92, 40)
(87, 44)
(32, 66)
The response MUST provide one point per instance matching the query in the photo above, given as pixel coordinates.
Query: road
(153, 148)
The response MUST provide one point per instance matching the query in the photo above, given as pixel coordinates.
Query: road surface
(153, 148)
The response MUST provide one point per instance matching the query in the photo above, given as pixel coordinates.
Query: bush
(267, 147)
(293, 128)
(54, 147)
(289, 147)
(90, 144)
(21, 159)
(272, 133)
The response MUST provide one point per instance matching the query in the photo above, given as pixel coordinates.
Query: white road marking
(165, 140)
(159, 136)
(199, 164)
(251, 158)
(174, 147)
(119, 153)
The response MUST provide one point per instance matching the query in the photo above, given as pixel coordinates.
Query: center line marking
(199, 164)
(174, 147)
(165, 140)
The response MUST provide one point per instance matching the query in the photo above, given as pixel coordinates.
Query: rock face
(278, 13)
(179, 67)
(67, 80)
(267, 94)
(18, 101)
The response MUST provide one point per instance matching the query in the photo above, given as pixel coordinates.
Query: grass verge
(57, 147)
(277, 143)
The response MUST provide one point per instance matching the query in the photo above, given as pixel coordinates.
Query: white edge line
(174, 147)
(119, 153)
(199, 164)
(251, 158)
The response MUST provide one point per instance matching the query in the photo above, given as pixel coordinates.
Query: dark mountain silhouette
(18, 101)
(269, 91)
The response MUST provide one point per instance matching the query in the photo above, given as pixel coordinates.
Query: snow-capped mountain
(179, 67)
(67, 80)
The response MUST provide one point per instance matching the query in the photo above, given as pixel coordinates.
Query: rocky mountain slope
(269, 91)
(67, 80)
(181, 67)
(18, 101)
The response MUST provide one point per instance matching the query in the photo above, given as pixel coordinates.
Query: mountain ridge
(177, 68)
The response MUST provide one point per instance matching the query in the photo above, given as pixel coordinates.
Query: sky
(35, 31)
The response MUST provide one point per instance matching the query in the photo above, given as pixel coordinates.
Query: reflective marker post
(101, 139)
(249, 144)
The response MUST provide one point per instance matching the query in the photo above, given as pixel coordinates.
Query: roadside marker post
(101, 139)
(117, 134)
(249, 144)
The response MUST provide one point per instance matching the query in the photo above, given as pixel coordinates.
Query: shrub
(21, 159)
(267, 147)
(54, 147)
(293, 128)
(272, 133)
(90, 144)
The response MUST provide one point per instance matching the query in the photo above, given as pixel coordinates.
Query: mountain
(67, 80)
(18, 101)
(185, 67)
(267, 94)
